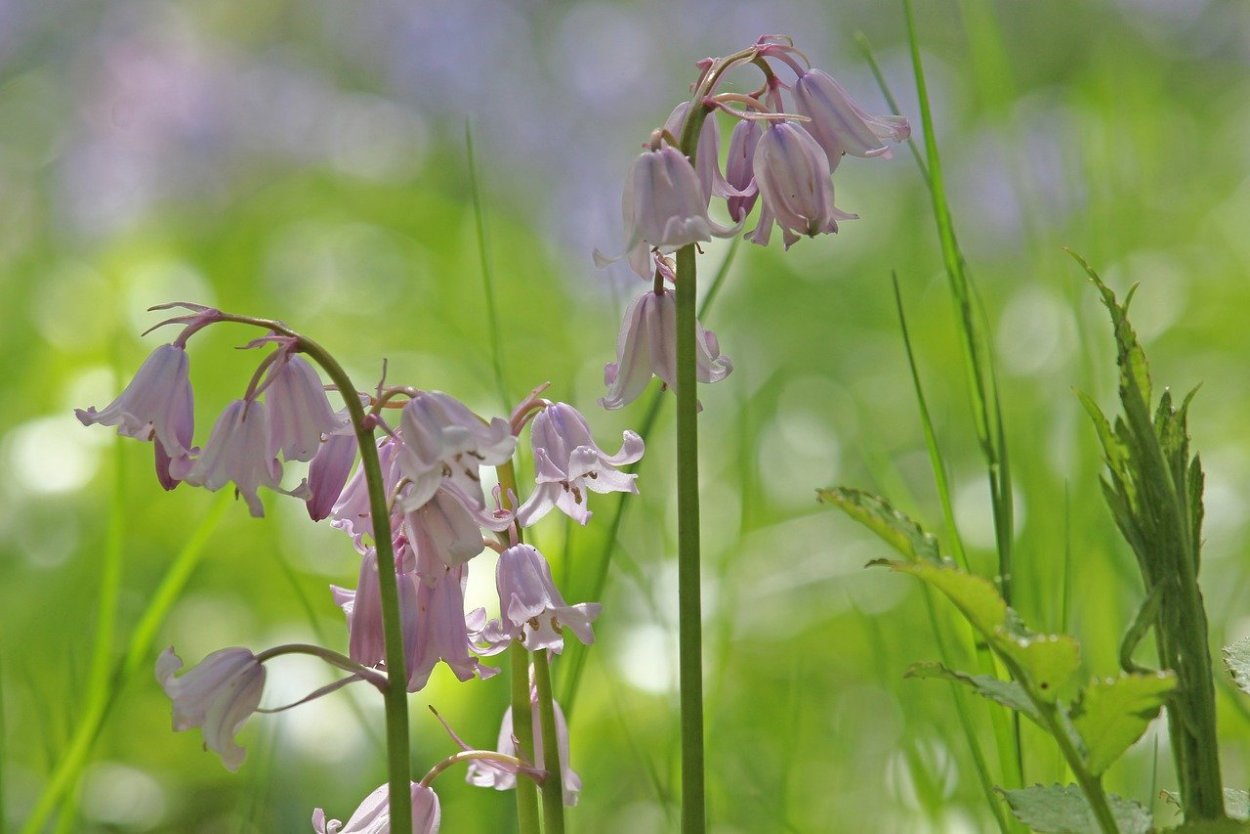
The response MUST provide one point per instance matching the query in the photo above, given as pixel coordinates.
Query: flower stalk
(690, 617)
(553, 787)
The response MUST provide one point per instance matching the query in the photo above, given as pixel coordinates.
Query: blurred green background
(306, 161)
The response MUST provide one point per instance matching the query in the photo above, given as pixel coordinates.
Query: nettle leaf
(976, 598)
(1050, 661)
(1063, 809)
(1237, 659)
(1236, 804)
(1008, 693)
(1113, 713)
(879, 516)
(1134, 370)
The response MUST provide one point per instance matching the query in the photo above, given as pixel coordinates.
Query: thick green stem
(522, 709)
(689, 602)
(553, 785)
(523, 730)
(690, 618)
(396, 694)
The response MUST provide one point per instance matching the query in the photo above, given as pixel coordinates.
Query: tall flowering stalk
(786, 164)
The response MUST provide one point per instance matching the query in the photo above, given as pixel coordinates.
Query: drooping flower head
(328, 473)
(531, 608)
(647, 347)
(240, 449)
(156, 405)
(792, 172)
(569, 465)
(487, 774)
(840, 125)
(443, 439)
(299, 411)
(217, 696)
(373, 816)
(739, 169)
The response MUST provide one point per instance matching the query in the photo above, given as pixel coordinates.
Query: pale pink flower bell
(569, 465)
(647, 346)
(487, 774)
(531, 608)
(156, 405)
(444, 439)
(792, 172)
(299, 411)
(374, 814)
(240, 449)
(841, 126)
(217, 696)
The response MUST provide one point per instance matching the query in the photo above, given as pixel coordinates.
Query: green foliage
(879, 516)
(1063, 809)
(1113, 713)
(1237, 660)
(1008, 693)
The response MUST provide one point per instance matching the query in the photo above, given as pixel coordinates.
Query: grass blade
(488, 276)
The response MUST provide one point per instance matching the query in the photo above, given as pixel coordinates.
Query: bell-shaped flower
(374, 814)
(352, 512)
(531, 608)
(156, 405)
(487, 774)
(443, 439)
(299, 411)
(569, 464)
(443, 632)
(840, 125)
(366, 638)
(240, 450)
(328, 472)
(707, 151)
(647, 346)
(792, 172)
(739, 169)
(446, 531)
(217, 696)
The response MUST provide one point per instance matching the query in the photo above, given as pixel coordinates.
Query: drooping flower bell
(792, 172)
(839, 125)
(531, 608)
(647, 346)
(707, 152)
(443, 439)
(240, 449)
(484, 773)
(739, 169)
(217, 696)
(352, 512)
(569, 465)
(328, 473)
(442, 631)
(299, 412)
(373, 816)
(156, 405)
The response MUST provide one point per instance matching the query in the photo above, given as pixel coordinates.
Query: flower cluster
(432, 461)
(784, 147)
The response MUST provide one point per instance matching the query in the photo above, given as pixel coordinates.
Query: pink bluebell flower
(328, 473)
(373, 816)
(299, 411)
(839, 125)
(531, 608)
(443, 439)
(443, 632)
(739, 169)
(240, 449)
(217, 696)
(647, 346)
(156, 405)
(488, 774)
(792, 172)
(352, 513)
(569, 465)
(707, 151)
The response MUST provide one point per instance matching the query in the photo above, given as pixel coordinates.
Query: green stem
(523, 731)
(396, 693)
(1091, 785)
(522, 708)
(553, 785)
(689, 602)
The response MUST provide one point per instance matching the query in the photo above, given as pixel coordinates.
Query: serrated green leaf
(1049, 660)
(1058, 809)
(1134, 370)
(1008, 693)
(1211, 827)
(1113, 713)
(976, 598)
(877, 514)
(1236, 803)
(1237, 660)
